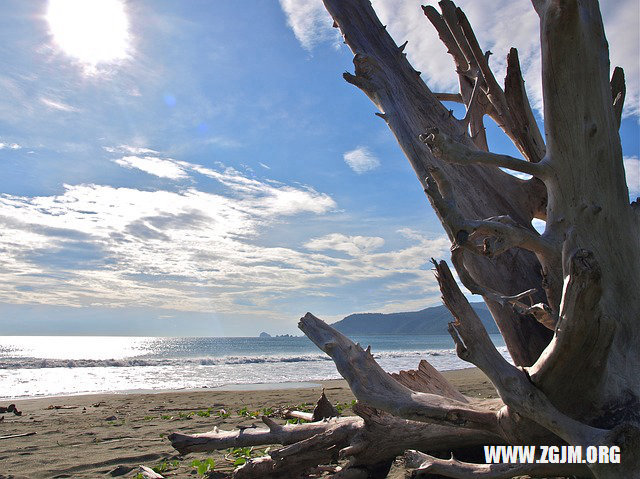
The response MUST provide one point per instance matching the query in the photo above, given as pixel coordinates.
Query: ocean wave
(42, 363)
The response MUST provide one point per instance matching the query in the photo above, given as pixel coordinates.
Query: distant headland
(432, 320)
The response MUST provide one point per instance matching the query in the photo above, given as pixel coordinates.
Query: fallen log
(370, 440)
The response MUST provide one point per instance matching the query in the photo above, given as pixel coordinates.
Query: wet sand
(105, 434)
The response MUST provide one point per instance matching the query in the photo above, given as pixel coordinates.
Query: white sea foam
(44, 363)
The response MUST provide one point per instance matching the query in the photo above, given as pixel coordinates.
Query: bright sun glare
(92, 31)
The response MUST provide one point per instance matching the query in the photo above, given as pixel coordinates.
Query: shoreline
(88, 436)
(257, 386)
(224, 387)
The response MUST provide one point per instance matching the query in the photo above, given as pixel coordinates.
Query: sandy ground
(110, 435)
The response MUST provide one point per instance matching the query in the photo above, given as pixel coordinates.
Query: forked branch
(454, 152)
(493, 90)
(504, 232)
(540, 311)
(514, 386)
(510, 108)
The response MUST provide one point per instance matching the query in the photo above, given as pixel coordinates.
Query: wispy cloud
(352, 245)
(57, 105)
(163, 168)
(9, 146)
(310, 22)
(133, 150)
(361, 160)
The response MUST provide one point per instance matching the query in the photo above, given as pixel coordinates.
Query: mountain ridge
(432, 320)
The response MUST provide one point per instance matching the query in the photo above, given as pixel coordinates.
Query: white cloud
(287, 200)
(310, 22)
(632, 171)
(163, 168)
(269, 197)
(191, 250)
(9, 146)
(57, 105)
(133, 150)
(498, 24)
(361, 160)
(352, 245)
(187, 250)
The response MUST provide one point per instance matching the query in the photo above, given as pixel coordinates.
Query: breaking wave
(41, 363)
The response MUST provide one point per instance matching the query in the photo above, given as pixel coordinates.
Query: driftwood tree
(566, 301)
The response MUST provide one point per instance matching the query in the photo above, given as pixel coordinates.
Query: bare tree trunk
(572, 330)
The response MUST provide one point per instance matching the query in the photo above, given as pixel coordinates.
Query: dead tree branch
(373, 386)
(426, 466)
(445, 148)
(516, 390)
(454, 97)
(505, 232)
(524, 127)
(275, 434)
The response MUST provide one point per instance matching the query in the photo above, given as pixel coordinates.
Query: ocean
(39, 366)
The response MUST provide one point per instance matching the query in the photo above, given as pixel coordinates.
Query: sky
(201, 168)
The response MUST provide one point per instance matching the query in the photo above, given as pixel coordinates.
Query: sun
(91, 31)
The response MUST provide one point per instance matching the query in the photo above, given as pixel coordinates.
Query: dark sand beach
(104, 434)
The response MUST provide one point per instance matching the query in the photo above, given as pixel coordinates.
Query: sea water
(36, 366)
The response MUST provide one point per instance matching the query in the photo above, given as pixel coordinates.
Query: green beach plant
(203, 467)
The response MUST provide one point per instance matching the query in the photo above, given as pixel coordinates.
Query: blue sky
(217, 176)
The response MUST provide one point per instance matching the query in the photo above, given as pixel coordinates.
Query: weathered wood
(373, 386)
(323, 409)
(150, 473)
(293, 414)
(444, 148)
(12, 436)
(367, 439)
(426, 466)
(524, 127)
(388, 79)
(516, 390)
(427, 379)
(275, 434)
(588, 209)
